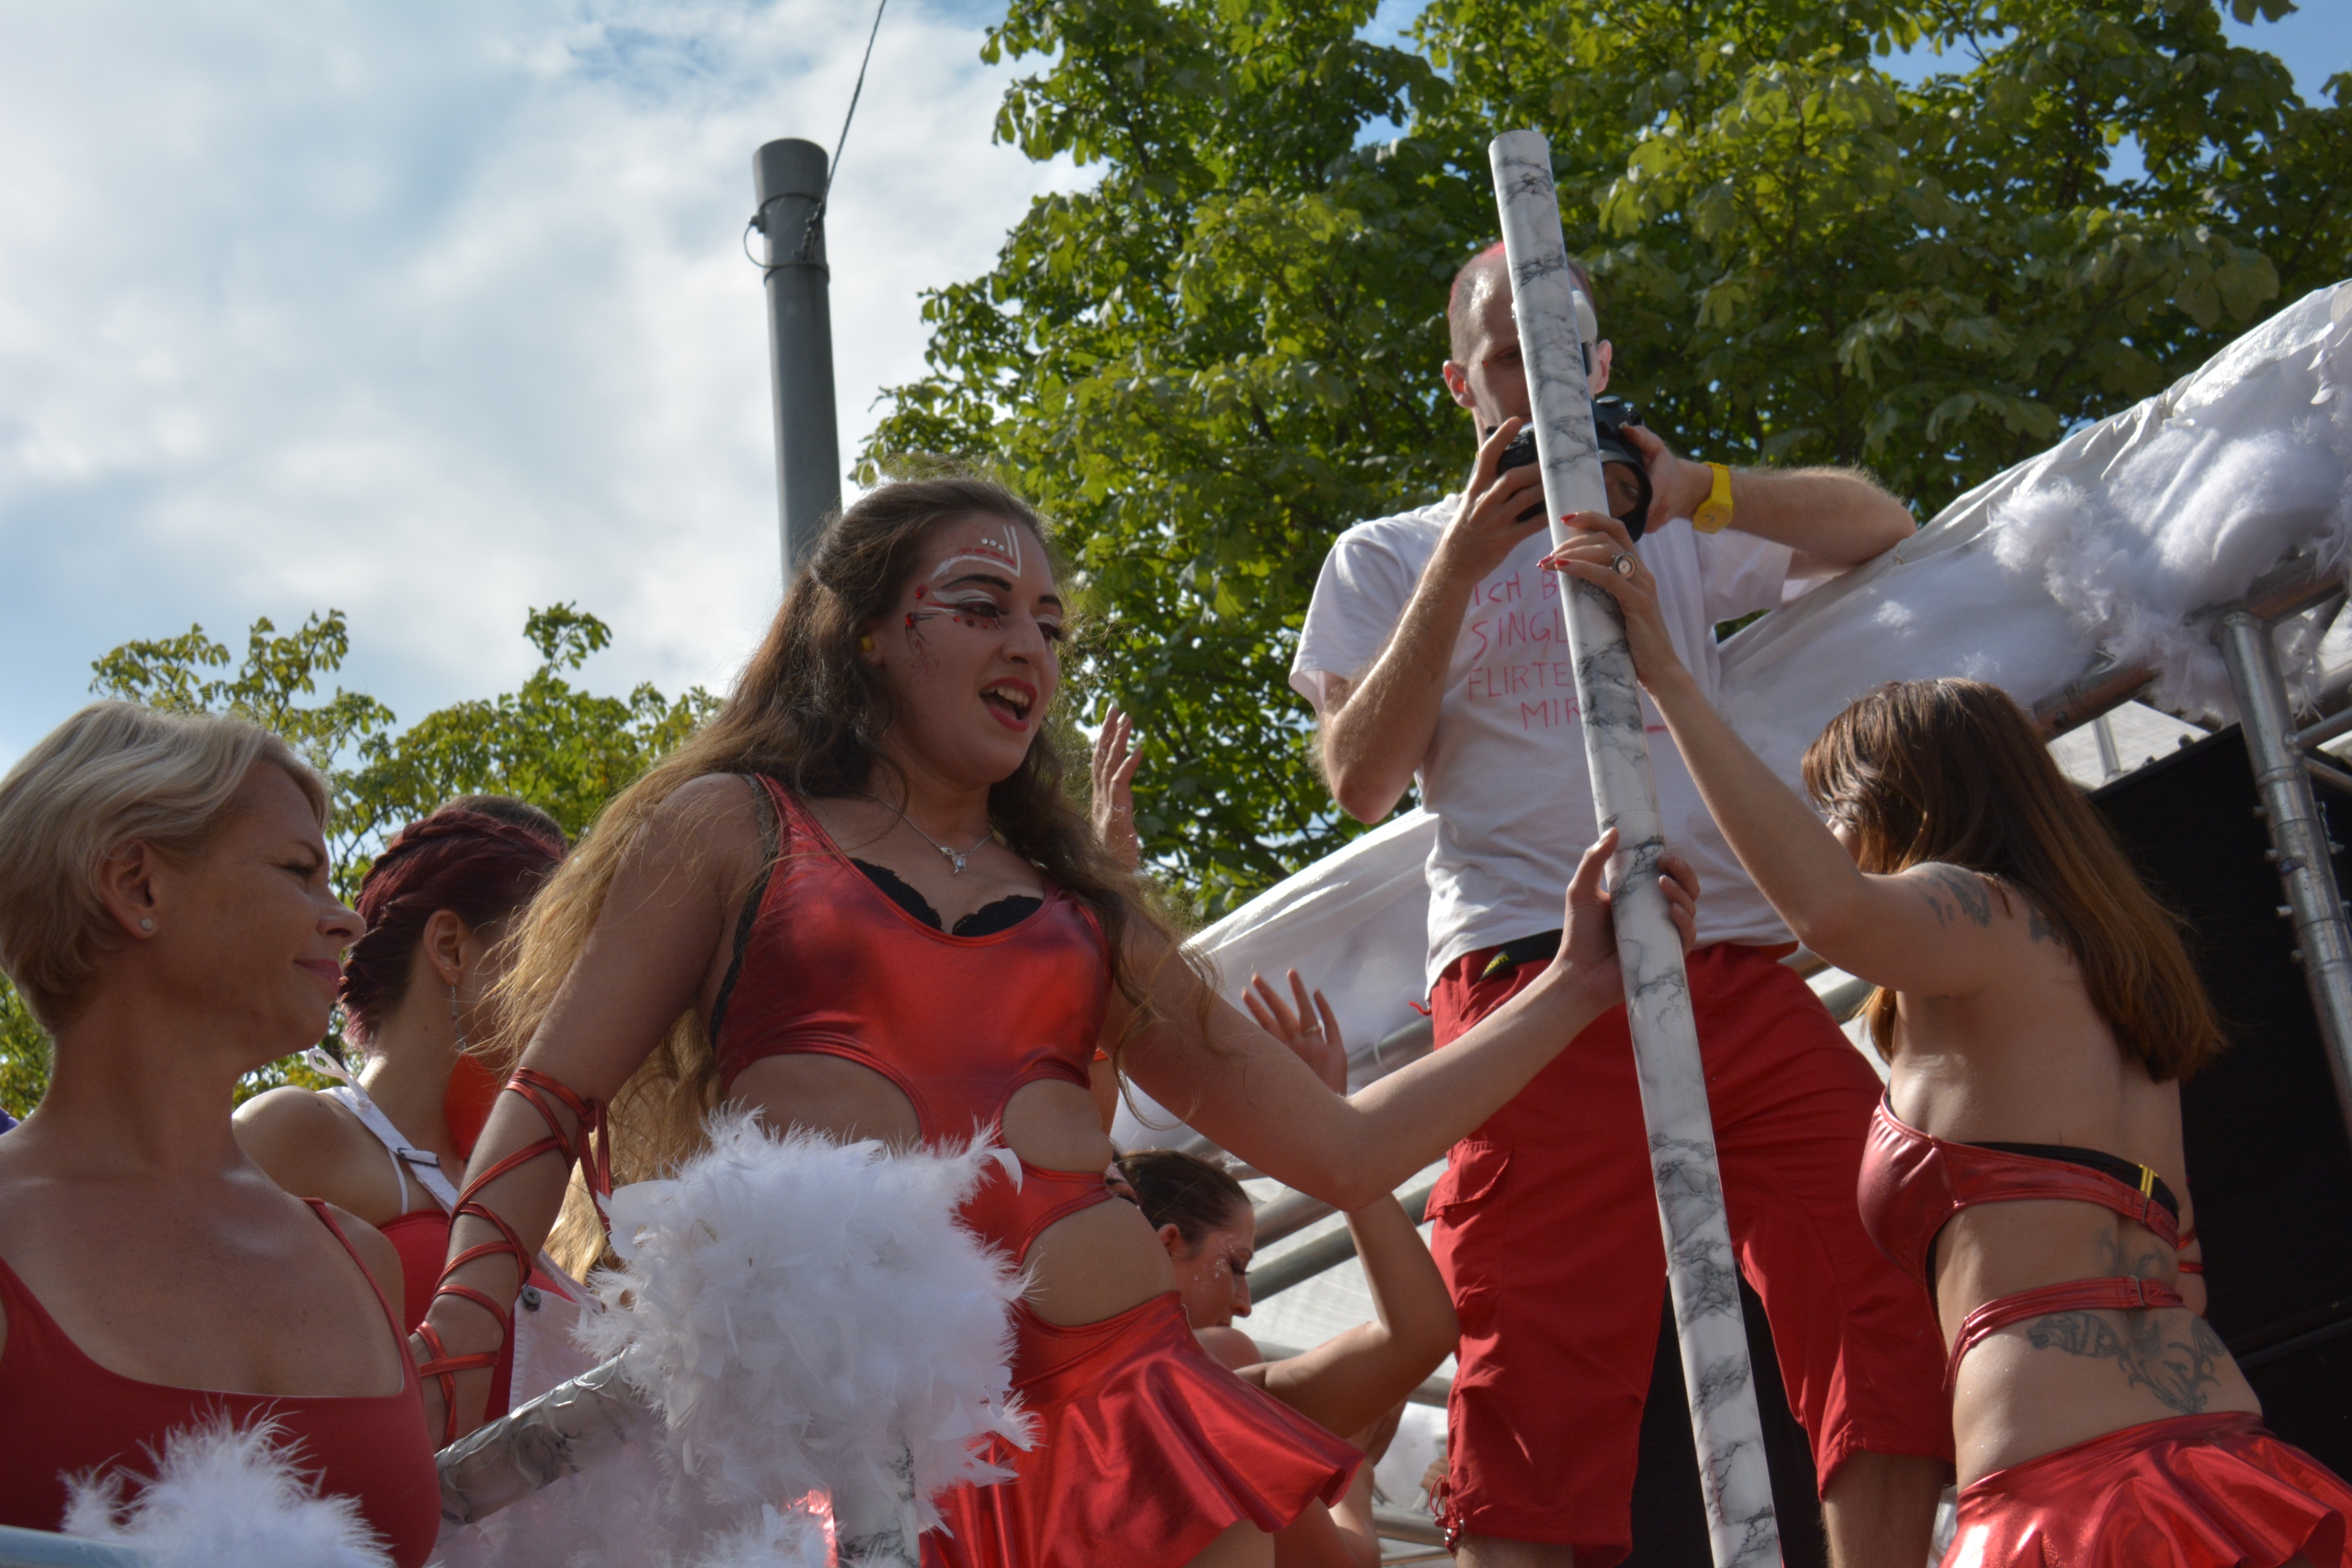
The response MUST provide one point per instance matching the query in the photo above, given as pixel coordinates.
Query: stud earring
(146, 925)
(866, 644)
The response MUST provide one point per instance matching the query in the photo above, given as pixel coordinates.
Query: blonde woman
(861, 903)
(165, 910)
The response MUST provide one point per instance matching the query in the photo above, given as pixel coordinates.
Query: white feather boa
(804, 1315)
(799, 1309)
(223, 1493)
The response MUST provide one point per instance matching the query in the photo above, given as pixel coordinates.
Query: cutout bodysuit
(1913, 1182)
(1145, 1449)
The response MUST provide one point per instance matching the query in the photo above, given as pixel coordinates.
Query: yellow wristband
(1713, 515)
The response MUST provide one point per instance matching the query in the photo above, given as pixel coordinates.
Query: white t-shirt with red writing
(1506, 773)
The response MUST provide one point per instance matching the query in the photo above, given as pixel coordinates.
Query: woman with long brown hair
(860, 902)
(2038, 1010)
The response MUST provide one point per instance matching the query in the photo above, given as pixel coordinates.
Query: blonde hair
(809, 713)
(112, 775)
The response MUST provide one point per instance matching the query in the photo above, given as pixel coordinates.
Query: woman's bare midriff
(1083, 1267)
(2049, 1382)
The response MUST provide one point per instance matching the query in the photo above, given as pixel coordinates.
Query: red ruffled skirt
(2197, 1491)
(1146, 1451)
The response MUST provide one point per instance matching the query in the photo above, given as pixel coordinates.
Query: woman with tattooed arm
(2038, 1012)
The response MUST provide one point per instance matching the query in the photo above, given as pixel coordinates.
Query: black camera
(1611, 415)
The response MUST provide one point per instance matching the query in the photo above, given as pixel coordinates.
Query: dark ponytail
(1183, 1190)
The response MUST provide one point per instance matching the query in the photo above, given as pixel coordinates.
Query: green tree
(1225, 351)
(562, 748)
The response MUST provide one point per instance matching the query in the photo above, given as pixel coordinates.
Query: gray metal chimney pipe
(788, 182)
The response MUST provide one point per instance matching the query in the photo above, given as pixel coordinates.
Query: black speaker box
(2270, 1163)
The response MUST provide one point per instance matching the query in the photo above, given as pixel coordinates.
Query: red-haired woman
(860, 902)
(165, 911)
(416, 988)
(2038, 1011)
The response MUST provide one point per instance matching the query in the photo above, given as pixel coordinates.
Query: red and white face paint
(973, 648)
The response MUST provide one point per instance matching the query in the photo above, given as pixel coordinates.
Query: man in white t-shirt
(1435, 653)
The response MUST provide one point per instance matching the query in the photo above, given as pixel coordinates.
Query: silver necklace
(955, 858)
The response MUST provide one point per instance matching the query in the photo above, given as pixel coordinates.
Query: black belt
(1544, 947)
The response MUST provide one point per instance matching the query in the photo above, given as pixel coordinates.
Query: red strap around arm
(536, 1088)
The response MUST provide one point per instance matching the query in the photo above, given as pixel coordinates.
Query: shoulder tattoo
(1954, 893)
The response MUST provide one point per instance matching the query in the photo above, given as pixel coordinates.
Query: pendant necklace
(954, 858)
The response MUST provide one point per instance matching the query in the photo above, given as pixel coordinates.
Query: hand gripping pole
(1700, 1270)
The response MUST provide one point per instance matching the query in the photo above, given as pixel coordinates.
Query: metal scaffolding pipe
(39, 1549)
(788, 180)
(2305, 862)
(1324, 1253)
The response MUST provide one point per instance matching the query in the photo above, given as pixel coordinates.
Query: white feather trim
(804, 1313)
(224, 1493)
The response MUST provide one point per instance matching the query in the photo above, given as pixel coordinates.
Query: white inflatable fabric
(2107, 545)
(223, 1493)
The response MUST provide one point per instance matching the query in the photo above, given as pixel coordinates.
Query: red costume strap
(2116, 1293)
(588, 1138)
(2188, 1266)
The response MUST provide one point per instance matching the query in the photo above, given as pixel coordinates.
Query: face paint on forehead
(999, 544)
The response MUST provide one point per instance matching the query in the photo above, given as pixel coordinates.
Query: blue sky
(433, 313)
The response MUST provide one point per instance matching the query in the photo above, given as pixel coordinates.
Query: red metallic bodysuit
(62, 1413)
(2199, 1492)
(1147, 1449)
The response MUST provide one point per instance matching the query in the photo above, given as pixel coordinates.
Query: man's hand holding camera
(1500, 508)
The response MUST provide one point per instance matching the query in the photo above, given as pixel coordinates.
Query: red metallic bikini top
(827, 964)
(1913, 1182)
(67, 1414)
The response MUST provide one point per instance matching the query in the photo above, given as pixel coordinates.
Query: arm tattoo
(1967, 890)
(2038, 925)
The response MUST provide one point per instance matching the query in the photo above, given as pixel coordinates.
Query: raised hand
(1601, 552)
(1115, 761)
(1500, 508)
(1314, 1035)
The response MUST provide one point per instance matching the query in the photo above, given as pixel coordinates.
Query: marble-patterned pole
(560, 1433)
(1700, 1270)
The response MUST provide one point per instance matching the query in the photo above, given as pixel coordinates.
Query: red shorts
(2197, 1491)
(1547, 1231)
(1146, 1451)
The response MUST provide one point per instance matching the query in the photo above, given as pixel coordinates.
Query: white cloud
(437, 312)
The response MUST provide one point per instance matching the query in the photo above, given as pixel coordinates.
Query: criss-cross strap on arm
(587, 1141)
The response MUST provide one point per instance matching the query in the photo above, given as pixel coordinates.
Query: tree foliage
(1225, 351)
(555, 745)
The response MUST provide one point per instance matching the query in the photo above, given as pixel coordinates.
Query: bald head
(1483, 373)
(1485, 281)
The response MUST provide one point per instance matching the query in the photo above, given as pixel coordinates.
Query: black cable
(816, 213)
(832, 166)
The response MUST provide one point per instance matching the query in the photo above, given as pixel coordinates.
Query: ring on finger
(1622, 564)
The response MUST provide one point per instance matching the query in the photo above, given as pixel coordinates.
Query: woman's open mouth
(1010, 702)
